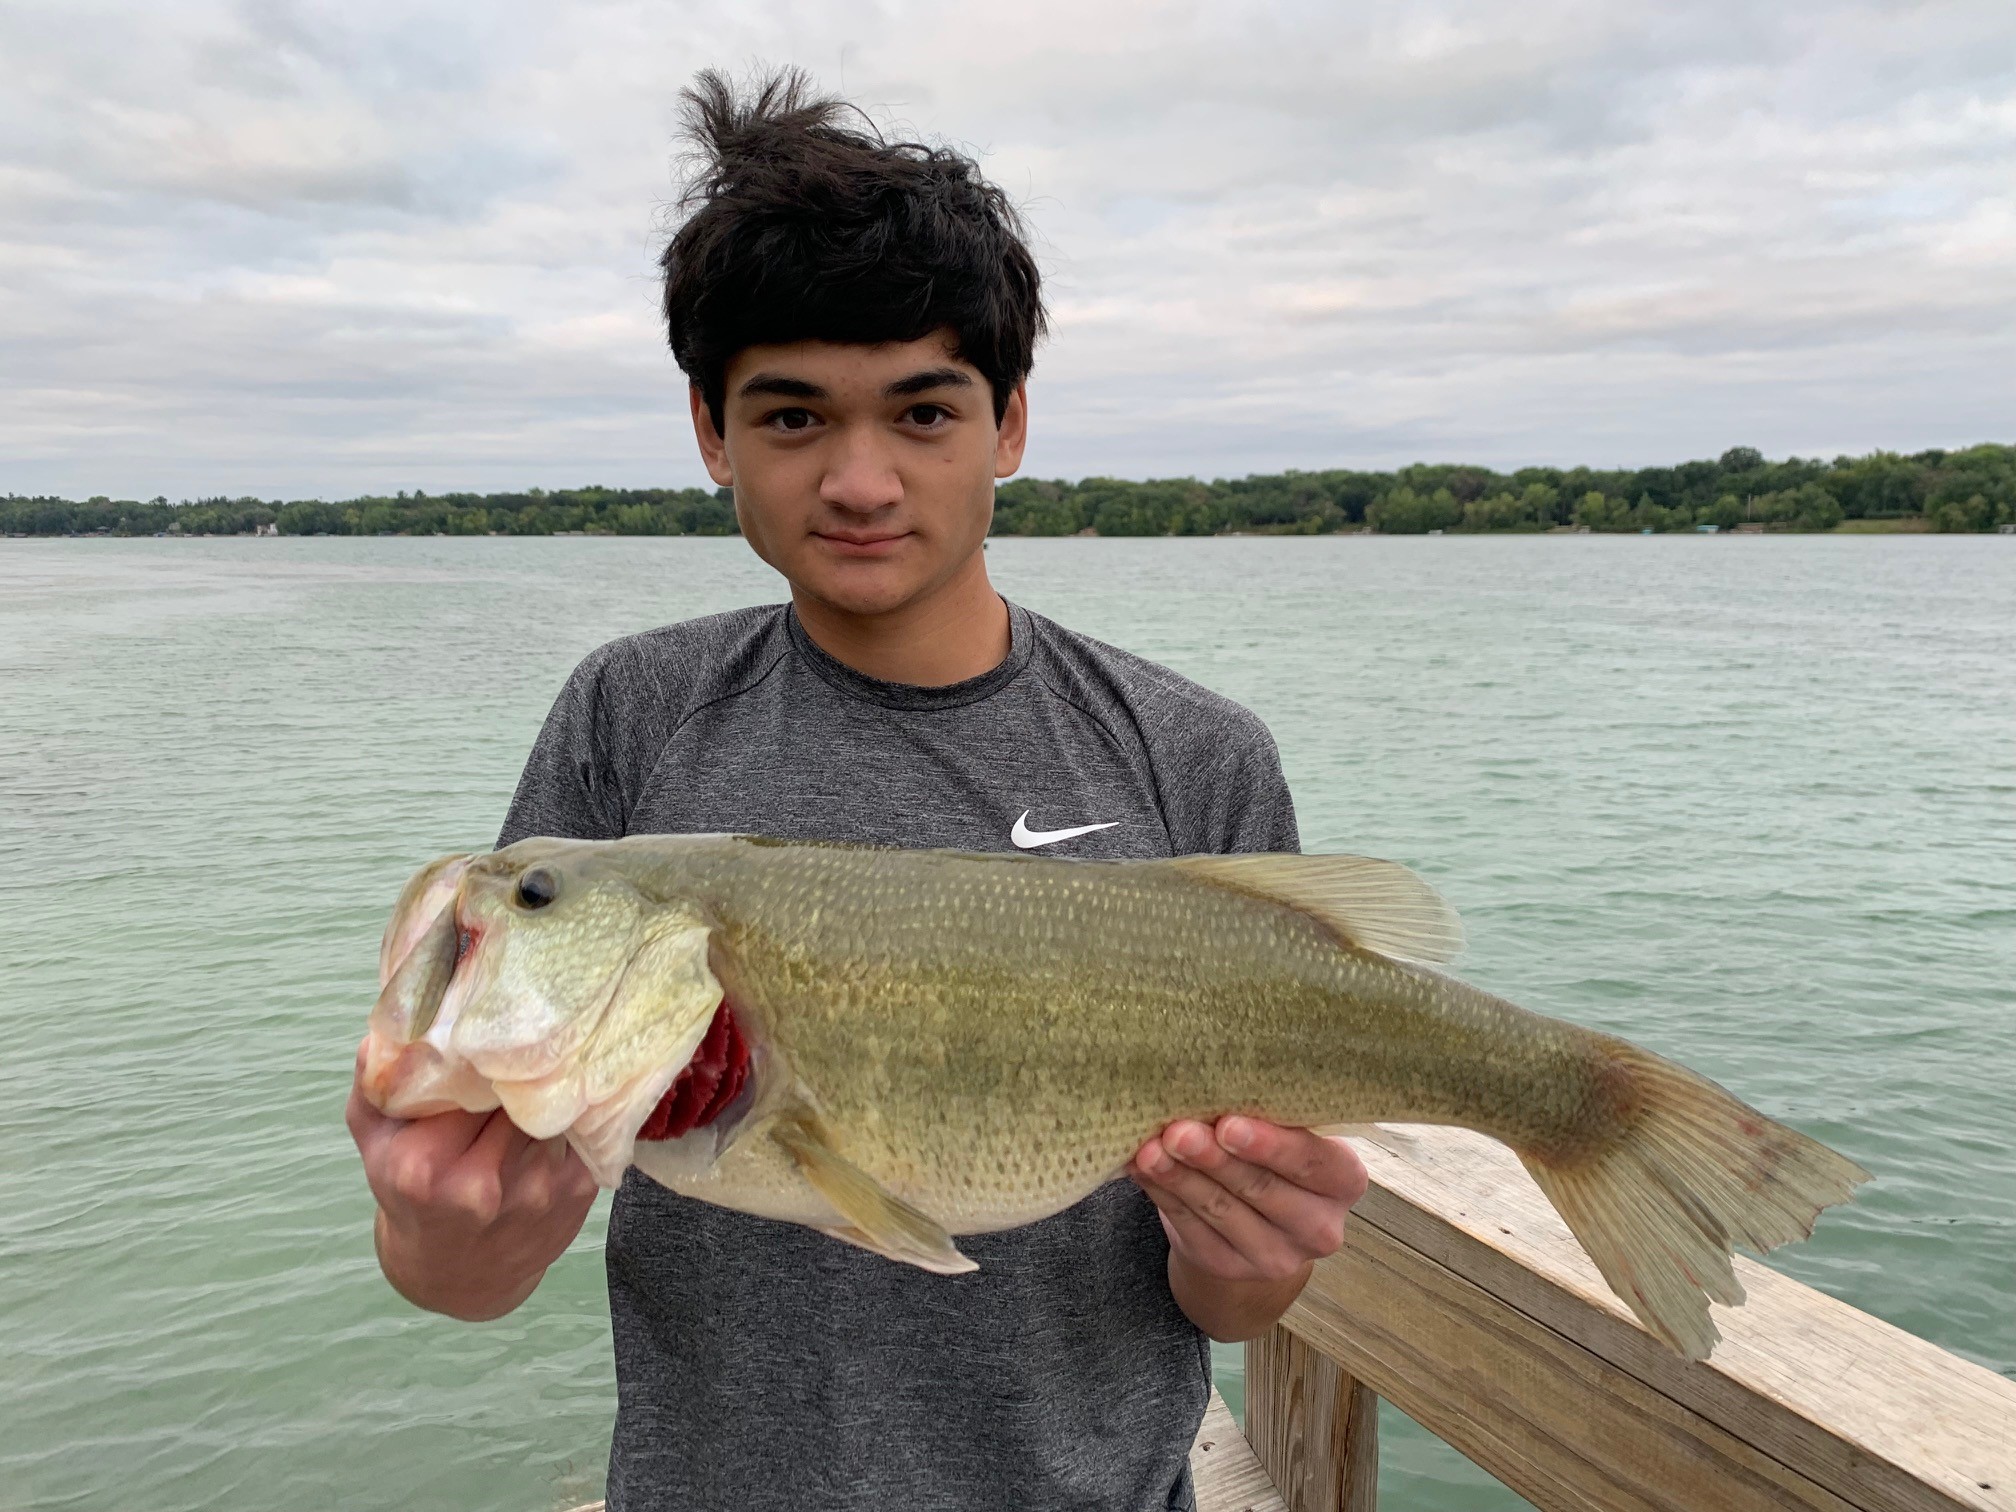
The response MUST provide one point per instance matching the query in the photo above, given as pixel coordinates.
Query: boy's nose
(862, 476)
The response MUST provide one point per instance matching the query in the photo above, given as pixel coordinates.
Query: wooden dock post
(1315, 1429)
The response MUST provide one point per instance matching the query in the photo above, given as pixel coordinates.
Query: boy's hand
(471, 1211)
(1248, 1208)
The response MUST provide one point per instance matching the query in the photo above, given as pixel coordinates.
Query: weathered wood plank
(1462, 1298)
(1228, 1476)
(1553, 1421)
(1314, 1429)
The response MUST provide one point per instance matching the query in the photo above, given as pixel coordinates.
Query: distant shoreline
(1970, 490)
(1903, 525)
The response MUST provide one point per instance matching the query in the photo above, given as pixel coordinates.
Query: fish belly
(753, 1174)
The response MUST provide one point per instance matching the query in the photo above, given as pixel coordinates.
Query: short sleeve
(1221, 784)
(609, 727)
(1250, 807)
(570, 787)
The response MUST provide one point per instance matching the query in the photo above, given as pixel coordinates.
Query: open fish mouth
(408, 1071)
(432, 889)
(458, 1025)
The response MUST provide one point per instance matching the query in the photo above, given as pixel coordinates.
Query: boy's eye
(790, 419)
(929, 415)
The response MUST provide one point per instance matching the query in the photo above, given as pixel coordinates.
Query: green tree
(1726, 512)
(1030, 506)
(312, 517)
(1541, 503)
(1405, 512)
(1501, 511)
(1977, 512)
(1598, 511)
(1881, 485)
(1818, 509)
(1646, 514)
(1807, 507)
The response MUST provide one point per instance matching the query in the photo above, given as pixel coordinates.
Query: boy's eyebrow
(787, 388)
(930, 378)
(914, 383)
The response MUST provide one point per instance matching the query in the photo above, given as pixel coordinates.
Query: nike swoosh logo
(1027, 839)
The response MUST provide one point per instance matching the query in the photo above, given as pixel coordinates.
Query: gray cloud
(295, 248)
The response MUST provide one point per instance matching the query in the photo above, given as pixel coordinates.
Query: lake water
(1749, 801)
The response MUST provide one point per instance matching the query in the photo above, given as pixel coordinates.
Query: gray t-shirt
(760, 1365)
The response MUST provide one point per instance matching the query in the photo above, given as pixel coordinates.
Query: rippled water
(1752, 802)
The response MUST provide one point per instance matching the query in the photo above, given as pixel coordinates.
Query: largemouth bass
(898, 1047)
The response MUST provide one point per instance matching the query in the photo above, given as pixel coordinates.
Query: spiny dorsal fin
(1378, 905)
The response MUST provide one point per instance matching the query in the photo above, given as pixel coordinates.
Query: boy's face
(864, 474)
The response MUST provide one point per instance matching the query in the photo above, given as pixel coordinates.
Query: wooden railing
(1461, 1298)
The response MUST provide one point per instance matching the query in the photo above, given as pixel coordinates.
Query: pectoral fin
(876, 1219)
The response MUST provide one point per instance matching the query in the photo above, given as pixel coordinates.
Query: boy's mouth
(861, 543)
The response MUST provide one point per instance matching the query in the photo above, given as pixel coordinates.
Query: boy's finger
(1260, 1243)
(1188, 1232)
(1314, 1162)
(1310, 1219)
(499, 1142)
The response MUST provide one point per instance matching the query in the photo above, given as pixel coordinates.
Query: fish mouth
(433, 888)
(407, 1071)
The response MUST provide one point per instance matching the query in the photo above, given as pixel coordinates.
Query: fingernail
(1235, 1134)
(1157, 1162)
(1185, 1142)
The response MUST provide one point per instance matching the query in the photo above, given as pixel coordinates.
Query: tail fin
(1696, 1172)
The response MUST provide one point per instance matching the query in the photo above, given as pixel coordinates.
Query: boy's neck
(958, 632)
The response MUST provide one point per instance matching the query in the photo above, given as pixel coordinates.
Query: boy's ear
(1013, 433)
(713, 450)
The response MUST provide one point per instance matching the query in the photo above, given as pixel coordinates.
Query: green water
(1751, 802)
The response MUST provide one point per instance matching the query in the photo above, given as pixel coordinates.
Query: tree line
(597, 511)
(1973, 489)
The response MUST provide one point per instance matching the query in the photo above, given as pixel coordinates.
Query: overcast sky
(317, 249)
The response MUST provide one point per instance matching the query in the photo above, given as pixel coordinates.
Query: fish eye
(537, 888)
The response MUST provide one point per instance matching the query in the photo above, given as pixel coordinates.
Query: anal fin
(876, 1219)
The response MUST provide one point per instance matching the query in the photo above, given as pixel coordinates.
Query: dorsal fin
(1378, 905)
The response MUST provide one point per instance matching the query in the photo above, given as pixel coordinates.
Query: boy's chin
(865, 588)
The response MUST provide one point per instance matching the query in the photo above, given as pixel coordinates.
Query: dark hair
(803, 223)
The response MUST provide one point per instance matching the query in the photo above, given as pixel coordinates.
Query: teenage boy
(857, 319)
